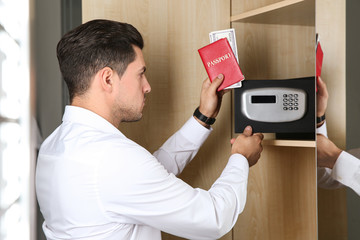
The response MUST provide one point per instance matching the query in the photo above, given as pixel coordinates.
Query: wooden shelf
(289, 143)
(269, 140)
(287, 12)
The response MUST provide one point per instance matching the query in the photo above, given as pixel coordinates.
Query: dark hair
(96, 44)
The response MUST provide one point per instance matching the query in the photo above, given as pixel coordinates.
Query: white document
(230, 35)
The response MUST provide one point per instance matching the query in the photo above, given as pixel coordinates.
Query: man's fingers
(320, 80)
(248, 131)
(261, 136)
(207, 82)
(217, 81)
(321, 86)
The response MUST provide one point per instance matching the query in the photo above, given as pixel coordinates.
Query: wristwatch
(203, 118)
(320, 119)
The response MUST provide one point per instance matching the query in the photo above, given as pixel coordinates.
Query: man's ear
(106, 78)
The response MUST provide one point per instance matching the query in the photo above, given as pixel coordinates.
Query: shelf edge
(265, 9)
(289, 143)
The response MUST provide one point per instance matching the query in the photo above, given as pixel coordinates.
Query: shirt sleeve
(347, 171)
(182, 147)
(324, 175)
(145, 193)
(322, 130)
(325, 179)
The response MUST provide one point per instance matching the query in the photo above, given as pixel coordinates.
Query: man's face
(130, 90)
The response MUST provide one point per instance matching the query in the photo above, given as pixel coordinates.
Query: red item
(217, 58)
(319, 59)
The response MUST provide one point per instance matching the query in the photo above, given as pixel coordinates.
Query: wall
(352, 106)
(48, 77)
(331, 24)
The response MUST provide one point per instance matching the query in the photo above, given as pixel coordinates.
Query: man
(94, 183)
(336, 167)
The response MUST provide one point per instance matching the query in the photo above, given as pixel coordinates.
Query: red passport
(217, 58)
(319, 59)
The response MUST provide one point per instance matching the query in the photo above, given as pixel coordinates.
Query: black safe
(285, 107)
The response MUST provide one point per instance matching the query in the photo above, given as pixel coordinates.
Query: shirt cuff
(238, 159)
(193, 131)
(322, 130)
(347, 171)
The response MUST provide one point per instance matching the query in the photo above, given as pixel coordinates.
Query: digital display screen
(263, 99)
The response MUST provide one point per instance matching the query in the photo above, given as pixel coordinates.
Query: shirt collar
(86, 117)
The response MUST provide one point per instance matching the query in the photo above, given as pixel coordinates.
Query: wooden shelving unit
(276, 40)
(284, 12)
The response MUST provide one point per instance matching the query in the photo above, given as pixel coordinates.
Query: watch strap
(203, 118)
(320, 119)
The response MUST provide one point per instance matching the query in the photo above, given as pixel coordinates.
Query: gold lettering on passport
(218, 60)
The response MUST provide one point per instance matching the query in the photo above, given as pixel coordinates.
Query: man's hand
(249, 145)
(327, 152)
(210, 99)
(321, 97)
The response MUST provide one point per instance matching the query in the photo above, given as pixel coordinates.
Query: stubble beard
(128, 114)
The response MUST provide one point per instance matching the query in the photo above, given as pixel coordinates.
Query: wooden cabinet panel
(276, 40)
(281, 201)
(269, 51)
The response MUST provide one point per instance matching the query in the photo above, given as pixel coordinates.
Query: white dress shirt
(94, 183)
(346, 170)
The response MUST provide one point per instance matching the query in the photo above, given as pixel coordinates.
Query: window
(16, 186)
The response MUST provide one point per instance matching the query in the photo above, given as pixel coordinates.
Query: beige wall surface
(331, 27)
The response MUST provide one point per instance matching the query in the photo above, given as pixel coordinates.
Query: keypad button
(285, 108)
